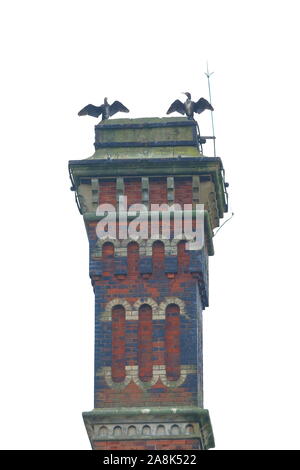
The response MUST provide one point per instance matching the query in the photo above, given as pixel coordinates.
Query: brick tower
(149, 293)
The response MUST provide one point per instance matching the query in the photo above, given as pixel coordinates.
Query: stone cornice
(153, 167)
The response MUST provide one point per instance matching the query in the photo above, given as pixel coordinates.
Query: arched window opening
(108, 254)
(189, 429)
(183, 257)
(145, 342)
(131, 431)
(158, 257)
(133, 257)
(118, 343)
(172, 342)
(146, 431)
(117, 431)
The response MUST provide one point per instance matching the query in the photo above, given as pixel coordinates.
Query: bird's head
(187, 94)
(105, 101)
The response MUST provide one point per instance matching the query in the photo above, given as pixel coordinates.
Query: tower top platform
(146, 138)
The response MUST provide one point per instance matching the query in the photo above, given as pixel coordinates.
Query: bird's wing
(176, 106)
(201, 105)
(91, 110)
(116, 107)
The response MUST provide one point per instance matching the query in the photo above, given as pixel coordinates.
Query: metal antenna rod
(208, 74)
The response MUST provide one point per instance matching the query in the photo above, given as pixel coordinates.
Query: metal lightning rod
(209, 74)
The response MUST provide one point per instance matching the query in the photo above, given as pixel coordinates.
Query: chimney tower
(149, 292)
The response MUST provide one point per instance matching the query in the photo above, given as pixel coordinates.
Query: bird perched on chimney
(189, 107)
(106, 110)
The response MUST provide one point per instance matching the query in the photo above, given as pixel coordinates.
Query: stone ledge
(165, 422)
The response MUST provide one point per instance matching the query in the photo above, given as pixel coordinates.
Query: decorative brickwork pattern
(145, 381)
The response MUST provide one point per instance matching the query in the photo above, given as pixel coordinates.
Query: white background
(56, 57)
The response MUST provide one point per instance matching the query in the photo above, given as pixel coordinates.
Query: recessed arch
(108, 250)
(103, 241)
(106, 314)
(108, 255)
(117, 431)
(183, 256)
(189, 429)
(151, 241)
(131, 431)
(145, 340)
(103, 431)
(160, 430)
(124, 244)
(118, 345)
(146, 430)
(133, 257)
(175, 430)
(174, 242)
(171, 300)
(172, 342)
(145, 300)
(158, 258)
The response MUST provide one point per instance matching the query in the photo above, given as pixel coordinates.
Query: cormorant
(107, 110)
(190, 107)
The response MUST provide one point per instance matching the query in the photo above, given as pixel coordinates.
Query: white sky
(58, 56)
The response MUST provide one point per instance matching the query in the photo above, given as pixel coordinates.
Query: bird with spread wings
(106, 110)
(190, 107)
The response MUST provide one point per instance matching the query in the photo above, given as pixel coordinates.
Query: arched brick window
(133, 257)
(108, 254)
(118, 343)
(158, 257)
(145, 342)
(172, 342)
(183, 257)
